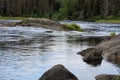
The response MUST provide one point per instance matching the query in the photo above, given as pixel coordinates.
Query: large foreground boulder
(107, 77)
(58, 72)
(42, 22)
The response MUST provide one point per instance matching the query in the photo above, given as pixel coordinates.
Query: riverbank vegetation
(13, 18)
(109, 21)
(61, 9)
(72, 26)
(113, 34)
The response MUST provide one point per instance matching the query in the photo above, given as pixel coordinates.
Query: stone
(58, 72)
(91, 54)
(107, 77)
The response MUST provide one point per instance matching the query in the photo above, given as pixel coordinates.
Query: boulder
(58, 72)
(91, 54)
(107, 77)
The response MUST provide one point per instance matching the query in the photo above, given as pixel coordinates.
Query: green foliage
(72, 26)
(61, 9)
(109, 21)
(13, 18)
(112, 34)
(116, 78)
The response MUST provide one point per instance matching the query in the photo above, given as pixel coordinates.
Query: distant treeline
(61, 9)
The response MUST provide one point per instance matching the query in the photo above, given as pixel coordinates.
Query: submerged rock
(58, 72)
(107, 77)
(42, 22)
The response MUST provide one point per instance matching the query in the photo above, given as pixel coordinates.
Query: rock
(107, 77)
(42, 22)
(58, 72)
(91, 54)
(109, 49)
(94, 63)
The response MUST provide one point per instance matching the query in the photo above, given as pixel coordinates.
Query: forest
(61, 9)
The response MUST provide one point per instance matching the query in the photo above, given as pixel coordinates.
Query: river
(27, 52)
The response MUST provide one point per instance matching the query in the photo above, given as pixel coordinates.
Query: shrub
(72, 26)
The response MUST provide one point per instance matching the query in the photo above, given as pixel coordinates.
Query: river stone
(58, 72)
(91, 54)
(107, 77)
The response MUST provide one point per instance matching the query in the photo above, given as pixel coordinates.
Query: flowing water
(27, 52)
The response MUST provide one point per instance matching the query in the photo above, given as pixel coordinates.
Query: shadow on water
(90, 41)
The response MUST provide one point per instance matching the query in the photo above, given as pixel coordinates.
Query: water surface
(27, 52)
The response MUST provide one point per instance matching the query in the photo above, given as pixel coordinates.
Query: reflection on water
(27, 52)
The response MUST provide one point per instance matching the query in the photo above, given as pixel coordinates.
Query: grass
(72, 26)
(13, 18)
(116, 78)
(113, 34)
(109, 21)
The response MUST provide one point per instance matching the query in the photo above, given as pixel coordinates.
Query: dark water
(27, 52)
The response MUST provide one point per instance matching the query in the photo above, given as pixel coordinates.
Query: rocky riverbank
(41, 22)
(108, 50)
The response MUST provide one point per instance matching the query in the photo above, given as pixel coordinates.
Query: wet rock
(58, 72)
(85, 52)
(91, 54)
(107, 77)
(95, 62)
(42, 22)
